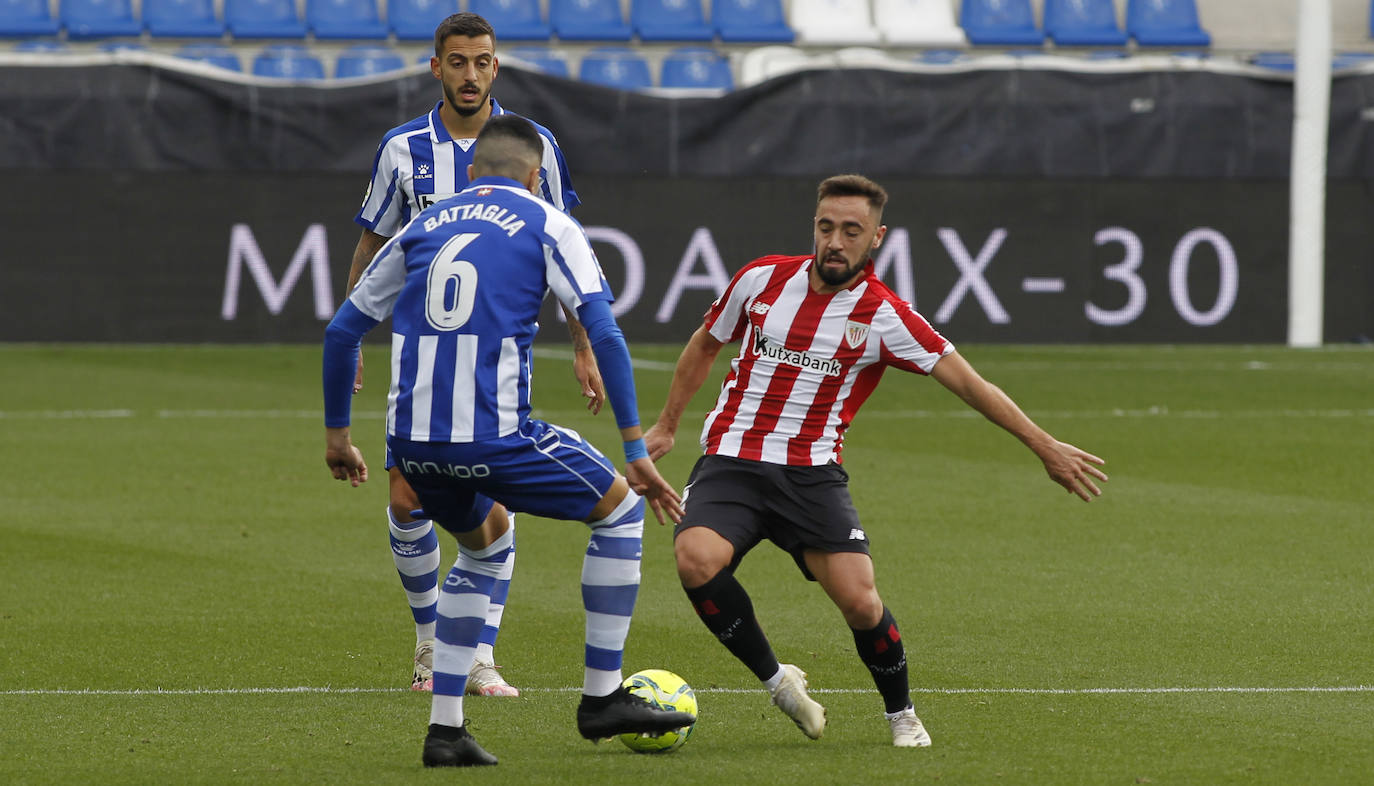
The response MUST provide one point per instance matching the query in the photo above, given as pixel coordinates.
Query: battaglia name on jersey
(766, 348)
(476, 212)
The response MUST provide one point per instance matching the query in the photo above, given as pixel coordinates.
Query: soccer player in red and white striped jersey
(816, 333)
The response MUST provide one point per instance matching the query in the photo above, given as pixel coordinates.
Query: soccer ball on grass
(667, 691)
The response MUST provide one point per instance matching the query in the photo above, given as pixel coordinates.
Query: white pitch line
(911, 414)
(1147, 412)
(939, 691)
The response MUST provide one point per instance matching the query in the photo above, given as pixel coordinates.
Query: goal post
(1307, 180)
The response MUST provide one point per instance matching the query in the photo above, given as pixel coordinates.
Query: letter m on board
(244, 252)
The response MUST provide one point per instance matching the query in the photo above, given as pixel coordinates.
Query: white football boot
(423, 677)
(791, 698)
(485, 680)
(907, 730)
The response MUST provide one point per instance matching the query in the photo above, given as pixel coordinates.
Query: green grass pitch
(177, 560)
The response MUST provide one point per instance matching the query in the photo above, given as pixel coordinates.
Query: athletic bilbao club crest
(855, 333)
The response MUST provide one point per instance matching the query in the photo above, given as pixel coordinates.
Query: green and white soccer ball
(668, 691)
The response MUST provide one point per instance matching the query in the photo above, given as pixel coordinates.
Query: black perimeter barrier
(147, 202)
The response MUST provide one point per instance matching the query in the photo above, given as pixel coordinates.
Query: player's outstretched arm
(614, 358)
(1070, 467)
(645, 479)
(693, 366)
(584, 364)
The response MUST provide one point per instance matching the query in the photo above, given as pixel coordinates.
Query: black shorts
(797, 508)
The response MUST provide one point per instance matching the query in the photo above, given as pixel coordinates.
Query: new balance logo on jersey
(454, 580)
(426, 200)
(767, 348)
(857, 534)
(759, 308)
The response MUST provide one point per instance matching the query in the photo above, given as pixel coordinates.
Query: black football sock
(725, 607)
(882, 652)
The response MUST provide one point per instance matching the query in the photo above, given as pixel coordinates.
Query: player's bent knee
(402, 497)
(700, 554)
(612, 499)
(862, 612)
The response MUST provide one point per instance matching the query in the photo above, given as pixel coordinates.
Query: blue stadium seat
(1000, 22)
(1351, 59)
(588, 20)
(1165, 23)
(615, 66)
(349, 19)
(514, 20)
(263, 19)
(693, 66)
(367, 60)
(940, 56)
(26, 17)
(290, 61)
(546, 60)
(415, 20)
(99, 18)
(214, 54)
(751, 21)
(1277, 61)
(670, 20)
(1082, 23)
(182, 19)
(41, 45)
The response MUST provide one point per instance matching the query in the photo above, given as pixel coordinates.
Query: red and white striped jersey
(807, 361)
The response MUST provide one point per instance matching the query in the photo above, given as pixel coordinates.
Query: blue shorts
(542, 469)
(481, 505)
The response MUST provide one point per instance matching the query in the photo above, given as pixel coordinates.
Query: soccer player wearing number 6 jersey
(418, 164)
(816, 333)
(463, 283)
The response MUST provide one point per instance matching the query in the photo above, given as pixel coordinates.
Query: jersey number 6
(452, 285)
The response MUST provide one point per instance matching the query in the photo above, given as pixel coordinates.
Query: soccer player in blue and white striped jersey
(417, 164)
(463, 283)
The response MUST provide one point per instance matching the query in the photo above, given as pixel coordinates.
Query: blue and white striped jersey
(419, 163)
(463, 283)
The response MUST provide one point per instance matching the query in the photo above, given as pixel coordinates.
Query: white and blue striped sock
(610, 584)
(463, 601)
(499, 592)
(415, 549)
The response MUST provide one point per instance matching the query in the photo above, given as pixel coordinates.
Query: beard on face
(462, 109)
(834, 277)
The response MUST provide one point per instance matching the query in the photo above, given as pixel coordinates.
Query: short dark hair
(853, 185)
(508, 145)
(465, 24)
